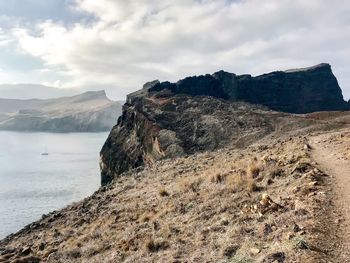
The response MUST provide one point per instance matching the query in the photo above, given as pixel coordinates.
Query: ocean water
(32, 184)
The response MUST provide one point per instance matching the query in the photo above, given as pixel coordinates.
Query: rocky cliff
(268, 194)
(88, 112)
(295, 91)
(165, 120)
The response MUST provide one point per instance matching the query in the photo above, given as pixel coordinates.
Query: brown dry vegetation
(269, 202)
(252, 205)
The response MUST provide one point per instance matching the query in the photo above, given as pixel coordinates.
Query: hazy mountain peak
(89, 111)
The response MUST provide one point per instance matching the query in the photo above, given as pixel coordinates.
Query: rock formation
(165, 120)
(294, 91)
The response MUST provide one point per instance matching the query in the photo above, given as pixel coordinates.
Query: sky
(118, 45)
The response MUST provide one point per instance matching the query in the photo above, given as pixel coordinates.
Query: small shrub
(224, 222)
(190, 205)
(251, 185)
(192, 184)
(96, 234)
(155, 246)
(235, 180)
(163, 192)
(195, 184)
(302, 167)
(300, 243)
(74, 253)
(278, 257)
(253, 169)
(217, 178)
(276, 173)
(230, 251)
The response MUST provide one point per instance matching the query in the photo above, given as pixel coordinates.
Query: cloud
(27, 11)
(5, 40)
(131, 42)
(55, 84)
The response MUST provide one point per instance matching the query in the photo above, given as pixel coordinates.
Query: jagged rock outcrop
(164, 120)
(88, 112)
(152, 128)
(295, 91)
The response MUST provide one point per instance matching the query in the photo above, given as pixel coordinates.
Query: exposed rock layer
(154, 128)
(165, 120)
(294, 91)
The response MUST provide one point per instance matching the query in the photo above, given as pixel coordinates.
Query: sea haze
(33, 184)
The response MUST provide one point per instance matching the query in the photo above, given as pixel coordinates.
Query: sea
(43, 172)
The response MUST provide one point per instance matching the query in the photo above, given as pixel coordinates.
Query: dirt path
(331, 152)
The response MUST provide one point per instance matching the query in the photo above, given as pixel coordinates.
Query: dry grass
(251, 185)
(253, 169)
(217, 178)
(212, 213)
(192, 184)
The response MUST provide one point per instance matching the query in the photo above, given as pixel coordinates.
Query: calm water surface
(32, 184)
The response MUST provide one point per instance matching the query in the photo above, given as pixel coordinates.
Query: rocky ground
(277, 200)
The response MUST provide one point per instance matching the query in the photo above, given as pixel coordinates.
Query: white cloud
(131, 42)
(55, 84)
(4, 38)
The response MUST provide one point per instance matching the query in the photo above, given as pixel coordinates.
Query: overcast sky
(118, 45)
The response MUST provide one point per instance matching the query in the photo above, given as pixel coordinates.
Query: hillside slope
(167, 120)
(90, 111)
(190, 175)
(268, 202)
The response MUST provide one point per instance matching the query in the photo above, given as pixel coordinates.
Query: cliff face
(294, 91)
(152, 128)
(165, 120)
(87, 112)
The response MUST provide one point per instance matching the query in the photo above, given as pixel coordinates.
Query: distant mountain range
(88, 112)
